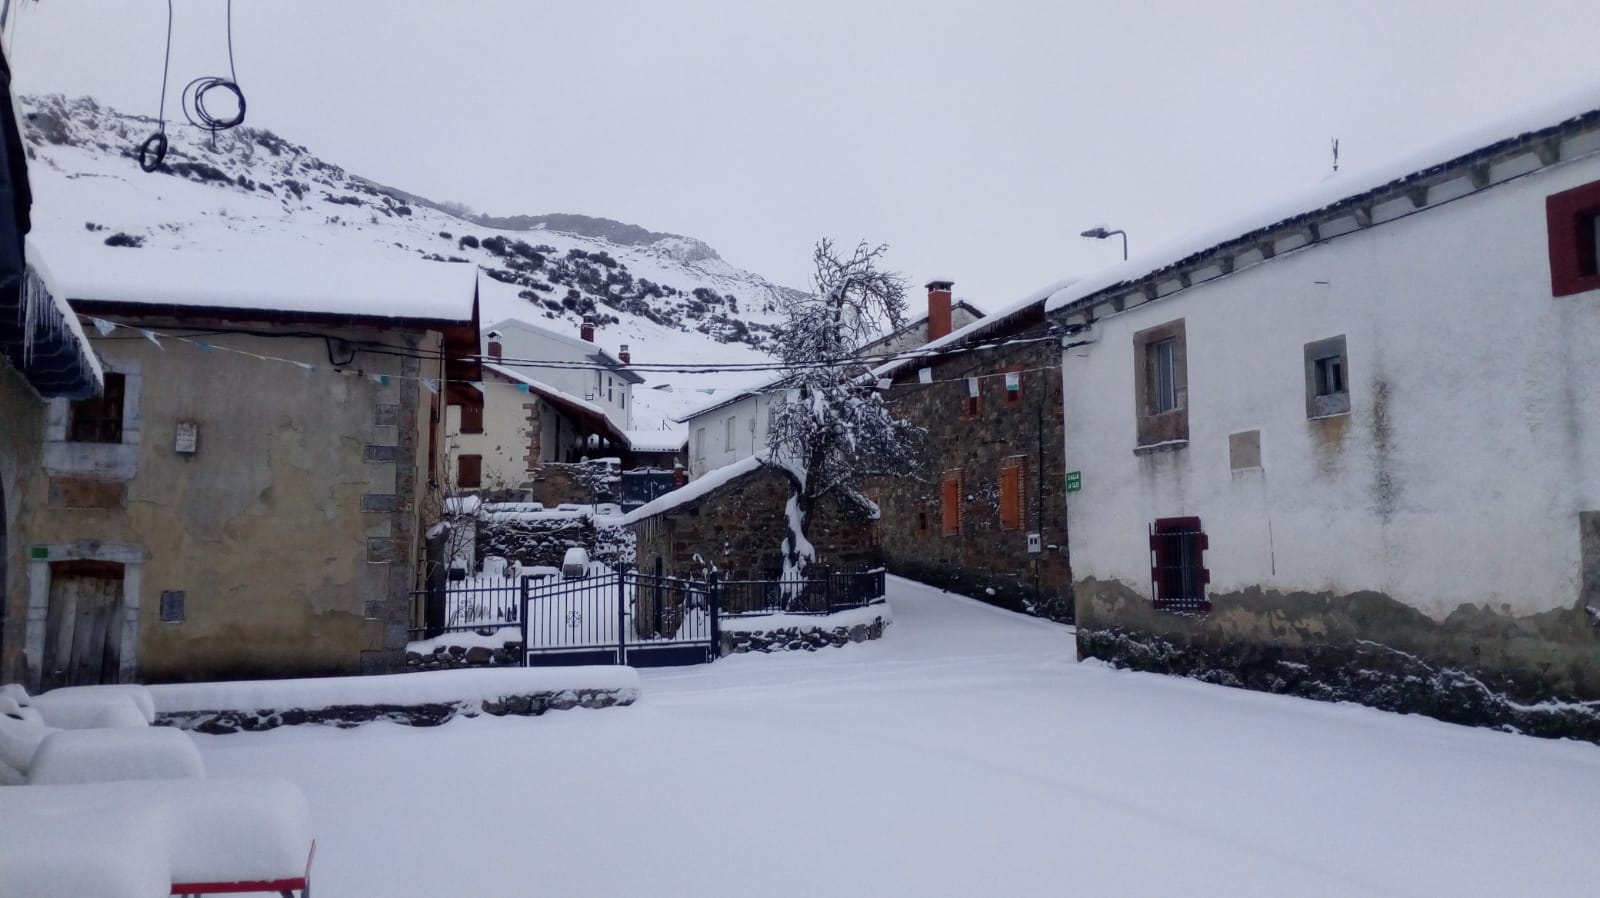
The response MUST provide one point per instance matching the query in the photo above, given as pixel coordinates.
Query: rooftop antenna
(1336, 154)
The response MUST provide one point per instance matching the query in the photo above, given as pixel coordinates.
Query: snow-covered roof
(44, 339)
(658, 440)
(976, 329)
(697, 488)
(275, 276)
(730, 398)
(581, 408)
(594, 352)
(1343, 190)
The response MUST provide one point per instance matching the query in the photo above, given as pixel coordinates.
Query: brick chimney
(586, 331)
(939, 309)
(495, 349)
(624, 355)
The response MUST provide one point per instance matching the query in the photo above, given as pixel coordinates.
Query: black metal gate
(623, 617)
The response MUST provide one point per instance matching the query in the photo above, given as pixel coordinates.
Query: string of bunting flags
(924, 375)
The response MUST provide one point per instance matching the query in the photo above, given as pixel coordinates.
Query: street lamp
(1102, 233)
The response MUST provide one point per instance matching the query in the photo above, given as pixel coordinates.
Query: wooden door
(83, 627)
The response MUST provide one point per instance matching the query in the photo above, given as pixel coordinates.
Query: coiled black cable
(154, 148)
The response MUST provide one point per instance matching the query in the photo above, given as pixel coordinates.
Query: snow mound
(114, 755)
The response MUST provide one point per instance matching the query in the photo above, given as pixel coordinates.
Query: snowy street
(966, 753)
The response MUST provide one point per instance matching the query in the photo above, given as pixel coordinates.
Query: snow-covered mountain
(670, 297)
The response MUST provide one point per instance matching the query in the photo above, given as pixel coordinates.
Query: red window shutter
(951, 504)
(1011, 498)
(472, 419)
(470, 472)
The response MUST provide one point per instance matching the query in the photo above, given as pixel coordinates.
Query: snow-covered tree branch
(833, 429)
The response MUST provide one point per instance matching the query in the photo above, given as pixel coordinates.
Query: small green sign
(41, 552)
(1074, 481)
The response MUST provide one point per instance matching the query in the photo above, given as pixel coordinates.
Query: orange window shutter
(1011, 498)
(952, 506)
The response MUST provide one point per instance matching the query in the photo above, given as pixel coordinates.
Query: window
(622, 399)
(609, 385)
(1177, 565)
(699, 444)
(727, 433)
(1163, 376)
(471, 418)
(1161, 385)
(1011, 471)
(1014, 385)
(1572, 222)
(469, 473)
(98, 419)
(1327, 378)
(922, 522)
(950, 503)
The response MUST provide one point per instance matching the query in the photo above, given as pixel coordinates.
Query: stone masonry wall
(799, 638)
(983, 560)
(583, 483)
(739, 528)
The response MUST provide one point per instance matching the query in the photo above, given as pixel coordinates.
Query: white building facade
(583, 369)
(1352, 450)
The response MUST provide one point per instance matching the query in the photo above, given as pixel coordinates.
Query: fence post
(622, 616)
(657, 614)
(714, 599)
(526, 613)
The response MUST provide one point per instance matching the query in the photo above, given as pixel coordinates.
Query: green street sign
(1074, 481)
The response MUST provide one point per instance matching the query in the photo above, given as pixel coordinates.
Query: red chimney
(494, 349)
(625, 355)
(587, 330)
(939, 308)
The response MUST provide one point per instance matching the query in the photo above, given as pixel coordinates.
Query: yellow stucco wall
(292, 527)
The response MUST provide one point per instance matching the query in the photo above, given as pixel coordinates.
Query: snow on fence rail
(482, 603)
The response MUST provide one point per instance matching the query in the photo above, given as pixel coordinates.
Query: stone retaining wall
(454, 657)
(798, 639)
(427, 714)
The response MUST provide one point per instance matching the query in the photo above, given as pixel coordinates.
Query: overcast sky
(977, 139)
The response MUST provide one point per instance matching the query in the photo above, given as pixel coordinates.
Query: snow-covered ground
(966, 753)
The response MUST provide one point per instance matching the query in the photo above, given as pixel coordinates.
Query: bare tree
(833, 429)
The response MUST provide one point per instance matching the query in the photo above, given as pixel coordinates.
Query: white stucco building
(1350, 448)
(580, 367)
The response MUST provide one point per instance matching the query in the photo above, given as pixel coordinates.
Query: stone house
(243, 497)
(733, 523)
(733, 427)
(985, 515)
(1349, 448)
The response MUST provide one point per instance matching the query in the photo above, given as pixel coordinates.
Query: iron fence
(825, 593)
(475, 603)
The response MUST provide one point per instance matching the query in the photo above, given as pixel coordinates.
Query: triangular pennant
(1013, 381)
(103, 326)
(307, 365)
(972, 387)
(429, 382)
(203, 346)
(885, 383)
(924, 375)
(522, 388)
(150, 335)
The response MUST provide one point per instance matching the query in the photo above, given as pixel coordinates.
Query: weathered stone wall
(426, 714)
(583, 483)
(21, 436)
(455, 657)
(983, 560)
(532, 540)
(799, 638)
(1536, 674)
(291, 528)
(738, 530)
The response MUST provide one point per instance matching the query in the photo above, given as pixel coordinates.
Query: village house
(575, 365)
(243, 497)
(984, 515)
(1349, 448)
(734, 427)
